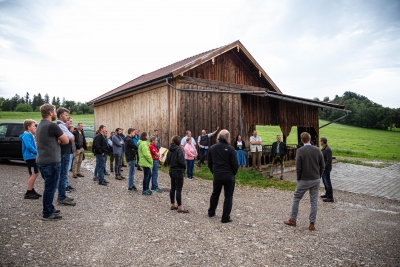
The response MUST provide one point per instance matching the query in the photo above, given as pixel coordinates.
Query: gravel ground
(111, 226)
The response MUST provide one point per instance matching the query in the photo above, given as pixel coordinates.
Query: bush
(23, 108)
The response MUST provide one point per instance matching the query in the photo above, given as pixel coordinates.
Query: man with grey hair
(223, 164)
(309, 168)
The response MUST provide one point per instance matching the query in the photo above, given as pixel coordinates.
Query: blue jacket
(29, 150)
(117, 145)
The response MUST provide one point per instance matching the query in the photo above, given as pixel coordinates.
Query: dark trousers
(176, 186)
(326, 179)
(118, 164)
(112, 162)
(229, 186)
(203, 154)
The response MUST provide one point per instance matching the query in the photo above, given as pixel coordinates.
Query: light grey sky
(82, 49)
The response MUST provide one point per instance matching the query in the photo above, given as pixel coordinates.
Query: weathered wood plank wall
(226, 68)
(149, 109)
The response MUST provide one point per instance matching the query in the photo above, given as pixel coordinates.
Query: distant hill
(364, 112)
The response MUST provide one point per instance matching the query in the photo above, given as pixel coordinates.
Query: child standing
(156, 161)
(29, 152)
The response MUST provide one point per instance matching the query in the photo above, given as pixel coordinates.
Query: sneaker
(69, 198)
(80, 175)
(324, 196)
(190, 178)
(95, 178)
(56, 211)
(66, 202)
(67, 189)
(30, 195)
(106, 173)
(147, 193)
(328, 200)
(35, 193)
(103, 183)
(107, 182)
(270, 176)
(52, 217)
(158, 190)
(122, 177)
(118, 177)
(139, 169)
(71, 188)
(133, 188)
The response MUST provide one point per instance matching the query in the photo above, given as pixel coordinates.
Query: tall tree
(27, 100)
(46, 99)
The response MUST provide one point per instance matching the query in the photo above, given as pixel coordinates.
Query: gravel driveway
(111, 226)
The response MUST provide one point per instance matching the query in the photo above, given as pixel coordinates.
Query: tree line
(27, 104)
(364, 112)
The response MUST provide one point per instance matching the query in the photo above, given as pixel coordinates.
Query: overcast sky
(80, 49)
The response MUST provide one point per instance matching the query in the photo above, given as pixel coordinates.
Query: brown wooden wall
(152, 108)
(202, 110)
(226, 68)
(270, 111)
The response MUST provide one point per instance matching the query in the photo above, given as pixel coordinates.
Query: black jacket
(282, 149)
(236, 147)
(130, 149)
(175, 158)
(100, 145)
(222, 160)
(327, 154)
(76, 134)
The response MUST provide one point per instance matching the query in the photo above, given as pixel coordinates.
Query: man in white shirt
(256, 150)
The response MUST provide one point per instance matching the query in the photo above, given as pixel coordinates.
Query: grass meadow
(86, 119)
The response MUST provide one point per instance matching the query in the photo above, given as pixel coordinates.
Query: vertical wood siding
(226, 68)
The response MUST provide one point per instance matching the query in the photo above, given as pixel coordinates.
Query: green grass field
(347, 141)
(86, 119)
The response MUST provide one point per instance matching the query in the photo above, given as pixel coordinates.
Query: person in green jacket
(145, 161)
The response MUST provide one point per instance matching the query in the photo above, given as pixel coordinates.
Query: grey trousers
(301, 188)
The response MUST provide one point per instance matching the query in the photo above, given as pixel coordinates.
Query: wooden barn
(223, 87)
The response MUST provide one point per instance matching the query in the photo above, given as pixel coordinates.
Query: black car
(10, 143)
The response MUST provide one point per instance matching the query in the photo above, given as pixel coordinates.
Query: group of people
(57, 144)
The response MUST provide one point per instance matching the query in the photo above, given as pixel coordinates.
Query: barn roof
(178, 68)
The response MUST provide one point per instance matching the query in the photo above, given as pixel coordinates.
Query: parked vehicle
(10, 143)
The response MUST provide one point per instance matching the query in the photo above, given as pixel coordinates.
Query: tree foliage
(364, 112)
(25, 104)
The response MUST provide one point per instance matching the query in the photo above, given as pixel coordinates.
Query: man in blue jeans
(130, 155)
(48, 137)
(66, 151)
(101, 150)
(202, 141)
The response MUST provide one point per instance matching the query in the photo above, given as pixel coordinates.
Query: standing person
(156, 162)
(309, 168)
(136, 139)
(202, 141)
(145, 161)
(117, 150)
(29, 152)
(240, 146)
(80, 143)
(109, 141)
(101, 149)
(278, 152)
(256, 150)
(66, 151)
(122, 137)
(130, 155)
(177, 165)
(158, 144)
(183, 141)
(49, 137)
(223, 164)
(190, 156)
(326, 176)
(69, 188)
